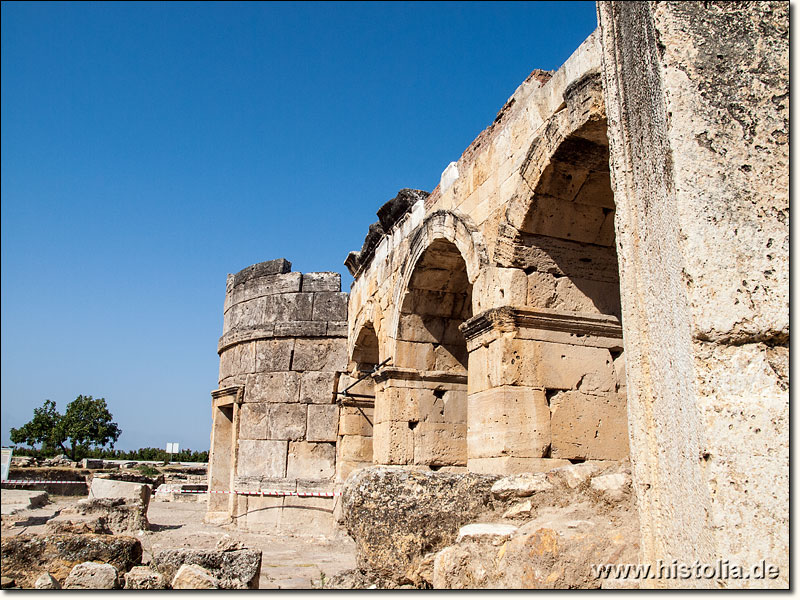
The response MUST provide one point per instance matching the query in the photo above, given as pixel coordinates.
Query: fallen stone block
(522, 485)
(109, 488)
(524, 509)
(398, 516)
(574, 475)
(102, 515)
(234, 569)
(45, 581)
(92, 576)
(193, 577)
(92, 463)
(25, 557)
(144, 578)
(612, 487)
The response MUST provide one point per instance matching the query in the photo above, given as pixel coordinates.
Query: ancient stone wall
(275, 416)
(495, 299)
(697, 97)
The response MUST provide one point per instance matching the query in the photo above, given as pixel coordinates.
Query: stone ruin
(602, 275)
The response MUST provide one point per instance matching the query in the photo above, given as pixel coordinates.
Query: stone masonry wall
(284, 342)
(698, 113)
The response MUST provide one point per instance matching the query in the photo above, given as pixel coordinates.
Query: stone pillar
(697, 102)
(284, 346)
(545, 387)
(222, 457)
(420, 418)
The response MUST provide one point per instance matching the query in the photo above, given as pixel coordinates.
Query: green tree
(87, 422)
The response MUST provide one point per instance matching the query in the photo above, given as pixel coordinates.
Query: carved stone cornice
(404, 374)
(583, 329)
(234, 390)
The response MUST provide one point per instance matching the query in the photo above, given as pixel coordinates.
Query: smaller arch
(448, 226)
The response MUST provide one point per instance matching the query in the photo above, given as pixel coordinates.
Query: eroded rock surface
(233, 569)
(25, 557)
(397, 516)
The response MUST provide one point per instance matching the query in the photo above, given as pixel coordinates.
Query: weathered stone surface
(109, 488)
(323, 281)
(253, 418)
(273, 355)
(496, 533)
(286, 421)
(398, 516)
(92, 576)
(311, 460)
(319, 355)
(45, 581)
(25, 557)
(270, 267)
(235, 569)
(522, 485)
(193, 577)
(277, 387)
(316, 387)
(614, 486)
(330, 306)
(144, 578)
(265, 458)
(323, 423)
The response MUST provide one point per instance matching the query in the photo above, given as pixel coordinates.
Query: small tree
(87, 422)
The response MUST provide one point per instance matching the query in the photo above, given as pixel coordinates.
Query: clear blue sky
(149, 149)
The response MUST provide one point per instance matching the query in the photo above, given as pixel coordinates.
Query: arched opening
(567, 248)
(357, 412)
(427, 396)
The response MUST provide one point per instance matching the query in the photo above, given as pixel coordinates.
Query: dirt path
(288, 561)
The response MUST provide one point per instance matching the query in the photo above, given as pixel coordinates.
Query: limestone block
(575, 475)
(412, 355)
(144, 578)
(584, 295)
(393, 443)
(323, 423)
(280, 386)
(311, 460)
(260, 513)
(336, 329)
(307, 514)
(266, 285)
(548, 365)
(356, 421)
(320, 355)
(494, 533)
(541, 290)
(398, 404)
(292, 307)
(269, 267)
(509, 465)
(237, 359)
(440, 444)
(253, 421)
(421, 328)
(585, 426)
(273, 355)
(522, 485)
(317, 387)
(356, 448)
(345, 467)
(262, 458)
(301, 329)
(450, 358)
(614, 487)
(323, 281)
(330, 306)
(194, 577)
(498, 286)
(508, 421)
(286, 421)
(92, 576)
(109, 488)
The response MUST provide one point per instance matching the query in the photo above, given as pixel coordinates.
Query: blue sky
(148, 149)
